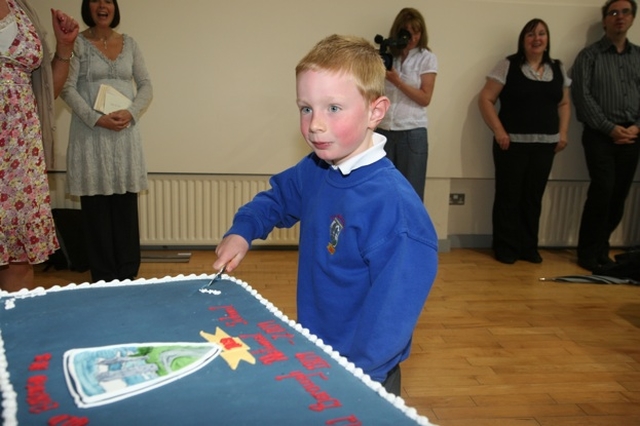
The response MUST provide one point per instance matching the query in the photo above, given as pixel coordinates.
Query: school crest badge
(336, 227)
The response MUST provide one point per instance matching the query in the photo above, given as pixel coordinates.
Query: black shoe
(509, 260)
(533, 257)
(605, 261)
(589, 264)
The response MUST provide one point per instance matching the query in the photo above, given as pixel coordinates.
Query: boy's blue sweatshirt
(367, 255)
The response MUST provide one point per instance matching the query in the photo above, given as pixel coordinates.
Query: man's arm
(588, 110)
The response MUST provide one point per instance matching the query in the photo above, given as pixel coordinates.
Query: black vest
(529, 106)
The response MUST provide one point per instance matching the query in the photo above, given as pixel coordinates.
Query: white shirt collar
(370, 156)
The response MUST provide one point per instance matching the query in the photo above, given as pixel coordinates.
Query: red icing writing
(37, 397)
(324, 400)
(67, 420)
(232, 318)
(275, 330)
(312, 361)
(348, 421)
(39, 400)
(268, 354)
(40, 362)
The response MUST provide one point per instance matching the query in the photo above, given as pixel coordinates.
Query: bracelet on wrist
(60, 58)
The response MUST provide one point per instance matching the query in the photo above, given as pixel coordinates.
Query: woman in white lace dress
(105, 160)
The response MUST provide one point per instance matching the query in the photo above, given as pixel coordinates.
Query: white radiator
(196, 210)
(561, 210)
(188, 210)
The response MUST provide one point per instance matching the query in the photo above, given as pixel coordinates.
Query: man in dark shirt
(606, 93)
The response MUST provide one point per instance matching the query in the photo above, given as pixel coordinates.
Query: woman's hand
(502, 139)
(393, 77)
(122, 116)
(65, 29)
(420, 95)
(562, 143)
(116, 121)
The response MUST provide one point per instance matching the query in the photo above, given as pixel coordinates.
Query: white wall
(224, 84)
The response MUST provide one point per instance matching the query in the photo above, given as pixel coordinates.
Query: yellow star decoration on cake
(234, 349)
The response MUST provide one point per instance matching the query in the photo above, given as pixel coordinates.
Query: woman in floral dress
(28, 84)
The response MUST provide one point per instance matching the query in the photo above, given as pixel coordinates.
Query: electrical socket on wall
(456, 199)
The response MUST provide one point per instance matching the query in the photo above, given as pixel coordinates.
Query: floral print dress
(27, 232)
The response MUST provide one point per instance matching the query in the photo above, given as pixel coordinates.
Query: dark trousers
(392, 383)
(611, 170)
(113, 235)
(521, 174)
(408, 150)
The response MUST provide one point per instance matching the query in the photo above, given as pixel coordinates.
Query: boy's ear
(379, 108)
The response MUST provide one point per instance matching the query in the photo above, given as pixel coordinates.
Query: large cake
(175, 351)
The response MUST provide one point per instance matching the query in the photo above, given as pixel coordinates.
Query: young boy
(368, 249)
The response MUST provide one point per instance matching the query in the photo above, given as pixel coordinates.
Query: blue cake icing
(167, 351)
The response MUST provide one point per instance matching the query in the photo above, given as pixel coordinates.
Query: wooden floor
(495, 345)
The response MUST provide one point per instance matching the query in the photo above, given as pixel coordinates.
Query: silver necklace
(103, 39)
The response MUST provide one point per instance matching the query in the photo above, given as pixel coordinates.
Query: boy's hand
(231, 251)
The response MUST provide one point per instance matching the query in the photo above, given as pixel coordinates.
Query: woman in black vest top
(530, 128)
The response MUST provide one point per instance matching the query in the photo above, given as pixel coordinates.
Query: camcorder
(400, 41)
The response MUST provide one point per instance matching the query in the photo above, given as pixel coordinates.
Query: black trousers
(408, 150)
(392, 383)
(521, 175)
(113, 235)
(611, 170)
